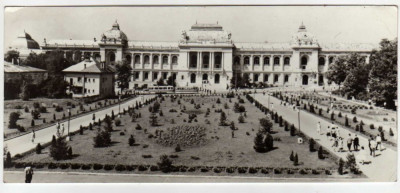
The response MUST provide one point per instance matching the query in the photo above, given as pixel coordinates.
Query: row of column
(151, 57)
(211, 62)
(83, 54)
(271, 78)
(151, 75)
(261, 62)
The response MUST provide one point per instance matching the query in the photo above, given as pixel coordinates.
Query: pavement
(382, 167)
(24, 143)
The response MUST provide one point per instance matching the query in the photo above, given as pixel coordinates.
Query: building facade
(207, 57)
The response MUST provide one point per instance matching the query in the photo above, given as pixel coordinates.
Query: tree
(320, 153)
(341, 165)
(259, 145)
(14, 116)
(10, 55)
(356, 82)
(269, 142)
(351, 163)
(292, 130)
(35, 60)
(59, 150)
(291, 157)
(296, 160)
(8, 160)
(165, 164)
(24, 95)
(222, 119)
(153, 119)
(81, 130)
(131, 140)
(69, 152)
(383, 75)
(266, 124)
(337, 72)
(171, 81)
(124, 73)
(241, 119)
(160, 82)
(102, 139)
(239, 81)
(311, 144)
(108, 122)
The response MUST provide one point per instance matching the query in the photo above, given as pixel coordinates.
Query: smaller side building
(89, 78)
(15, 75)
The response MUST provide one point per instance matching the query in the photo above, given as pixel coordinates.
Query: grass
(218, 149)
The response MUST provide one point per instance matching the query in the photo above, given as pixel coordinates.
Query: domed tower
(24, 44)
(305, 55)
(112, 44)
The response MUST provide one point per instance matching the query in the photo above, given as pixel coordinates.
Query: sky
(330, 24)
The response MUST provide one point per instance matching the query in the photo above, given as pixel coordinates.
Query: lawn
(26, 118)
(213, 145)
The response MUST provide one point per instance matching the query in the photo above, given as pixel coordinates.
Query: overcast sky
(347, 24)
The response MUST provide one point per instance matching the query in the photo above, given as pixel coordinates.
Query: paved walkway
(382, 168)
(24, 143)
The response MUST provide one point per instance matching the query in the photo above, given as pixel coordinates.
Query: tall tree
(36, 60)
(124, 72)
(383, 74)
(171, 81)
(356, 82)
(337, 72)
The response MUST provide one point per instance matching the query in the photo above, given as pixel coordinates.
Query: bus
(159, 89)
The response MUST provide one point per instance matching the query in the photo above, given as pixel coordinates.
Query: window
(93, 91)
(128, 58)
(71, 81)
(236, 60)
(286, 78)
(218, 59)
(331, 60)
(276, 78)
(146, 75)
(174, 76)
(155, 75)
(182, 77)
(146, 59)
(193, 61)
(175, 60)
(286, 61)
(266, 78)
(193, 78)
(112, 57)
(255, 77)
(165, 74)
(155, 60)
(165, 60)
(321, 61)
(276, 61)
(304, 60)
(216, 79)
(89, 80)
(79, 79)
(137, 59)
(94, 80)
(246, 60)
(206, 59)
(266, 61)
(256, 60)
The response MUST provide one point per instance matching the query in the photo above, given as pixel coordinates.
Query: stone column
(212, 55)
(141, 60)
(262, 64)
(281, 62)
(251, 62)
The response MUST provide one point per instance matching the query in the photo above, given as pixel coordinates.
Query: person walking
(363, 156)
(328, 133)
(379, 142)
(28, 174)
(373, 147)
(233, 134)
(341, 147)
(33, 135)
(62, 130)
(319, 128)
(356, 143)
(349, 142)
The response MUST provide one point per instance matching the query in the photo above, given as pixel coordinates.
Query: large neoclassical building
(206, 56)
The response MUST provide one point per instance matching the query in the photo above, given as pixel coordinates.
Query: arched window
(266, 61)
(112, 57)
(255, 78)
(218, 59)
(321, 61)
(276, 78)
(216, 79)
(137, 59)
(206, 59)
(246, 60)
(256, 60)
(155, 59)
(276, 60)
(146, 59)
(205, 76)
(331, 59)
(286, 78)
(165, 59)
(193, 78)
(286, 61)
(193, 61)
(266, 77)
(174, 59)
(128, 58)
(304, 60)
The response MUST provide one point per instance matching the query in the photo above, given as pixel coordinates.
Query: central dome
(304, 38)
(24, 41)
(114, 35)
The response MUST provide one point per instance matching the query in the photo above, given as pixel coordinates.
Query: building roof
(364, 47)
(205, 34)
(10, 68)
(89, 66)
(267, 46)
(24, 41)
(71, 43)
(153, 44)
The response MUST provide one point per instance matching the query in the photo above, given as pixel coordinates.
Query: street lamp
(69, 119)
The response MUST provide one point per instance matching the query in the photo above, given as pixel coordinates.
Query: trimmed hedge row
(180, 168)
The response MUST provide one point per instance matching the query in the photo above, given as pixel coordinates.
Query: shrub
(86, 166)
(351, 163)
(277, 171)
(269, 142)
(43, 109)
(266, 124)
(328, 172)
(353, 111)
(52, 166)
(76, 166)
(320, 153)
(8, 160)
(147, 156)
(102, 139)
(291, 157)
(292, 130)
(173, 156)
(59, 150)
(303, 172)
(117, 122)
(311, 144)
(320, 111)
(131, 140)
(97, 166)
(241, 119)
(194, 157)
(340, 114)
(264, 171)
(69, 152)
(120, 167)
(138, 127)
(36, 105)
(178, 148)
(346, 121)
(38, 149)
(391, 132)
(242, 170)
(122, 133)
(355, 119)
(296, 160)
(371, 126)
(108, 167)
(332, 116)
(259, 145)
(217, 170)
(58, 109)
(142, 168)
(64, 165)
(230, 170)
(26, 109)
(154, 168)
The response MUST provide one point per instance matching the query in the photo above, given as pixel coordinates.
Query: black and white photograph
(200, 94)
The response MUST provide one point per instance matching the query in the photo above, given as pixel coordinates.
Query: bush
(391, 132)
(194, 157)
(178, 148)
(303, 172)
(241, 119)
(341, 165)
(321, 153)
(311, 144)
(266, 124)
(122, 133)
(8, 161)
(97, 166)
(76, 166)
(38, 149)
(332, 116)
(58, 109)
(371, 126)
(52, 166)
(147, 156)
(138, 127)
(86, 166)
(64, 165)
(351, 163)
(346, 121)
(43, 109)
(296, 160)
(102, 139)
(120, 167)
(59, 150)
(142, 168)
(117, 122)
(131, 140)
(108, 167)
(355, 119)
(292, 130)
(242, 170)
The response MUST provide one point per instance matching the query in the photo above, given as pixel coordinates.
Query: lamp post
(254, 95)
(298, 115)
(69, 119)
